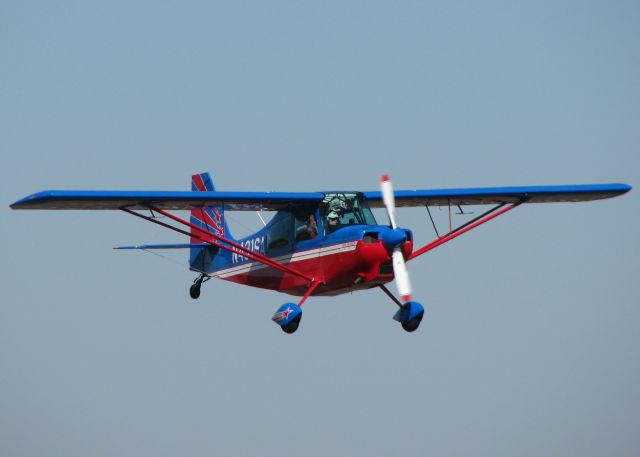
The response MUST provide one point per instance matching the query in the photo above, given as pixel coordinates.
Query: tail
(209, 218)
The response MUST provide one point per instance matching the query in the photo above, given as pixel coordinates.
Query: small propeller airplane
(317, 243)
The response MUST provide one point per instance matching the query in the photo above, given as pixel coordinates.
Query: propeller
(399, 266)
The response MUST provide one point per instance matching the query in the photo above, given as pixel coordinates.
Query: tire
(292, 326)
(412, 325)
(194, 291)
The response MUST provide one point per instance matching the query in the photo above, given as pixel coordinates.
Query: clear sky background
(530, 343)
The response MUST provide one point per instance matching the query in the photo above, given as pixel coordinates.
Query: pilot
(308, 230)
(333, 220)
(312, 227)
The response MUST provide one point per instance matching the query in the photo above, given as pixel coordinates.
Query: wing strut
(432, 222)
(473, 223)
(220, 242)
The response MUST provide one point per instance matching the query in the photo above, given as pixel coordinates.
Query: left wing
(498, 195)
(167, 200)
(504, 198)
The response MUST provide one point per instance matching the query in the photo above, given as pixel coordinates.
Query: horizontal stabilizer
(165, 246)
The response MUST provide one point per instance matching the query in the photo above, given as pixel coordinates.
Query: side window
(368, 215)
(305, 225)
(279, 234)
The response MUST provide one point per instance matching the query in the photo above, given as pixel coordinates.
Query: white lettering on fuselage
(252, 244)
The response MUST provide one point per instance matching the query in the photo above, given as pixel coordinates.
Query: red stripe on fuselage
(339, 271)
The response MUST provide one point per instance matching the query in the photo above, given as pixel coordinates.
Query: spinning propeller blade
(388, 199)
(402, 275)
(399, 266)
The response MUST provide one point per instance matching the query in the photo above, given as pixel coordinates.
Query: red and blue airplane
(317, 243)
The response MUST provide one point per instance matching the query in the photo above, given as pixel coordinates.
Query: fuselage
(344, 257)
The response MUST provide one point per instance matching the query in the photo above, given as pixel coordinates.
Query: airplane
(317, 243)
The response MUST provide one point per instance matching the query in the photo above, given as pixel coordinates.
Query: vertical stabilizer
(210, 218)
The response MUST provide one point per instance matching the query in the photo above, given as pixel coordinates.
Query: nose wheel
(410, 313)
(412, 324)
(194, 290)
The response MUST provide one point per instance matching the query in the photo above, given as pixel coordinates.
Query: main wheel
(292, 326)
(194, 291)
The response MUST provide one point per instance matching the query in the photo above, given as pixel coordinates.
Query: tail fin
(210, 218)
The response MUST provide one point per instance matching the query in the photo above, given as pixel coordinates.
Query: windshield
(342, 209)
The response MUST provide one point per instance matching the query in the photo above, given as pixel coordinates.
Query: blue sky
(529, 345)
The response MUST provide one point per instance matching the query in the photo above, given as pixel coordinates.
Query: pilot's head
(332, 218)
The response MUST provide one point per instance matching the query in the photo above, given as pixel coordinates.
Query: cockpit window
(342, 209)
(305, 224)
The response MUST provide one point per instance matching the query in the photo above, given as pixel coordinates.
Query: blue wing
(252, 201)
(497, 195)
(169, 200)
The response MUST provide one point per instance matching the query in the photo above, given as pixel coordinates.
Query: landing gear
(288, 317)
(194, 290)
(409, 315)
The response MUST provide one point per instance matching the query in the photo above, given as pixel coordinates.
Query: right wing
(167, 200)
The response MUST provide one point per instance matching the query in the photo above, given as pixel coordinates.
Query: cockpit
(339, 210)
